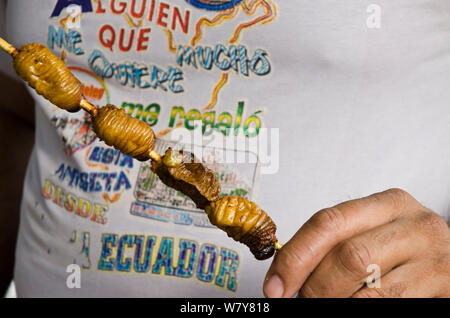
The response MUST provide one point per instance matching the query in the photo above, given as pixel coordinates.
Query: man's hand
(330, 256)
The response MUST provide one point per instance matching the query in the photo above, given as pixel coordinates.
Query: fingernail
(273, 287)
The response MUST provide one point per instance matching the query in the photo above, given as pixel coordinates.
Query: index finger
(297, 259)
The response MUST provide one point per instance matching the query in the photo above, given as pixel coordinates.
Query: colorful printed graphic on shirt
(170, 257)
(110, 177)
(135, 35)
(85, 5)
(73, 204)
(75, 131)
(216, 5)
(147, 87)
(158, 202)
(83, 243)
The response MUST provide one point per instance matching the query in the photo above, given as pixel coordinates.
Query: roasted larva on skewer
(48, 75)
(180, 170)
(241, 219)
(245, 222)
(131, 136)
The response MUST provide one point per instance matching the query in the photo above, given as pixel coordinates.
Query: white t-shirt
(352, 97)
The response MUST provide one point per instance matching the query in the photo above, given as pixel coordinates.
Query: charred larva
(245, 222)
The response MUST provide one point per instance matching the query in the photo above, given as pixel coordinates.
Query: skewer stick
(8, 48)
(278, 245)
(91, 109)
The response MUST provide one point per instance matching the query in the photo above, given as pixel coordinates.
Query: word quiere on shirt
(140, 75)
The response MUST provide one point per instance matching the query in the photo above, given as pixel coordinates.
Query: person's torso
(329, 106)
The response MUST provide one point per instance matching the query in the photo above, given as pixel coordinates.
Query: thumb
(299, 257)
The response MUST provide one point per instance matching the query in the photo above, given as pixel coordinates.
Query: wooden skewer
(91, 109)
(278, 245)
(8, 48)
